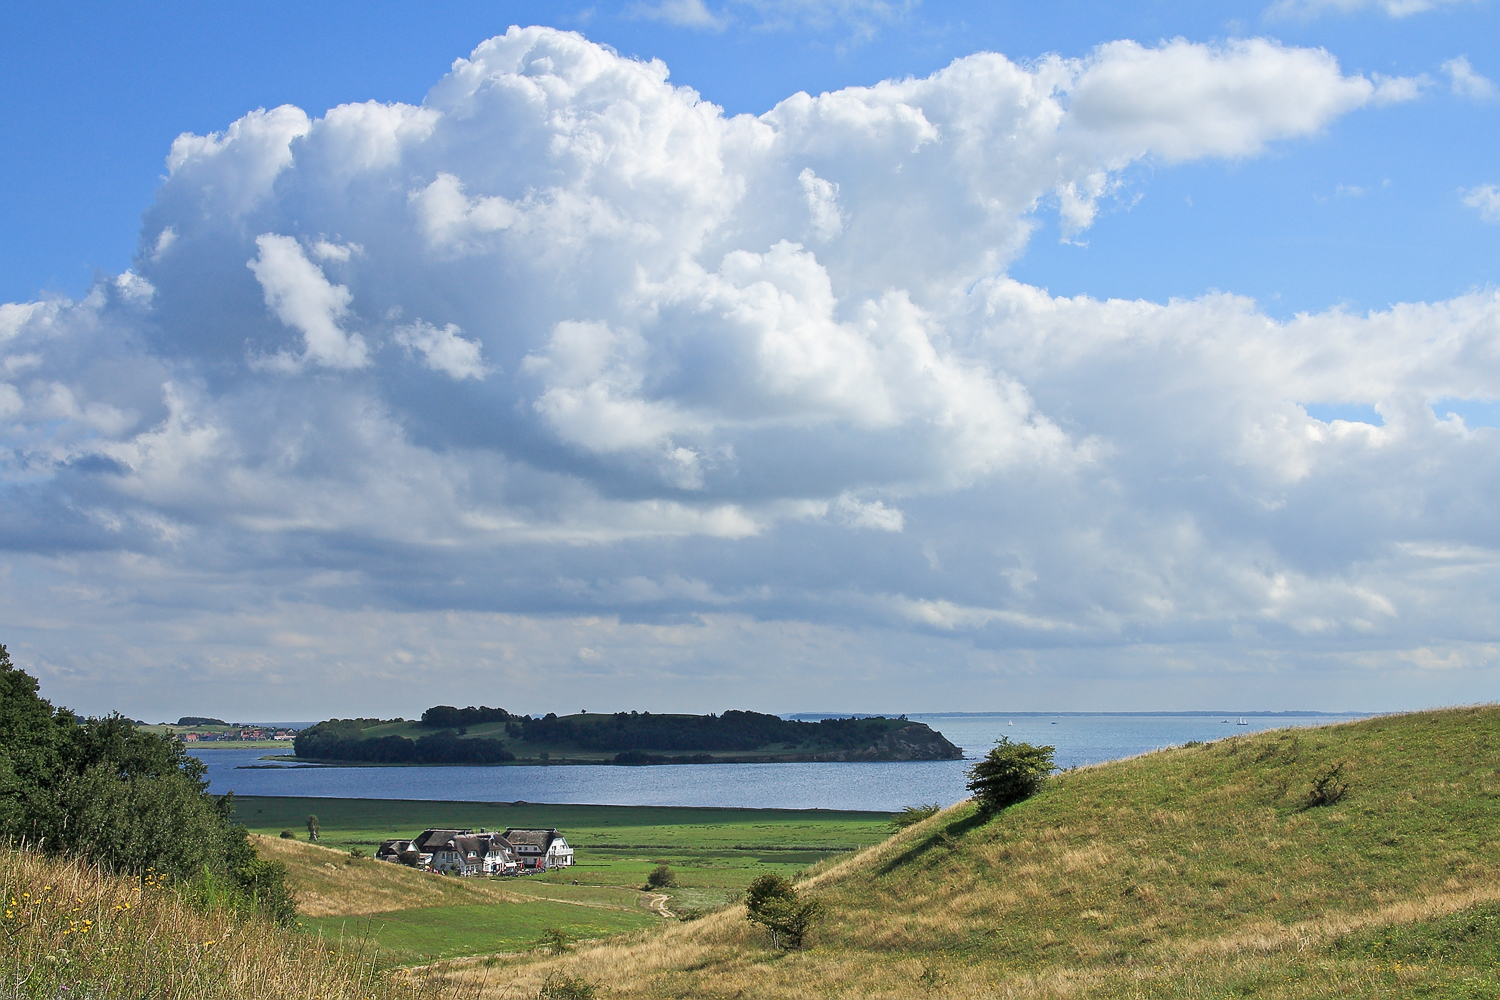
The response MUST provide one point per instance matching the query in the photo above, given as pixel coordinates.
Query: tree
(312, 829)
(1009, 773)
(125, 800)
(773, 902)
(661, 877)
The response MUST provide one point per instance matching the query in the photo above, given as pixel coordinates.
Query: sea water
(880, 786)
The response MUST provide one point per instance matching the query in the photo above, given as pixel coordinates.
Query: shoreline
(291, 763)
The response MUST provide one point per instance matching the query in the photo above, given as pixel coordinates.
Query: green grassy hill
(1202, 871)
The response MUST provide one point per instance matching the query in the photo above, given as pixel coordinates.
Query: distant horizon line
(809, 716)
(1183, 714)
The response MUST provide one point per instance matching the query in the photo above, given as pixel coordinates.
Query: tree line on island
(633, 737)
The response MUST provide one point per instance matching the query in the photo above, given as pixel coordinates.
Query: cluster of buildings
(464, 852)
(247, 733)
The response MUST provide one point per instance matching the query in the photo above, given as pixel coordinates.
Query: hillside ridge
(1206, 869)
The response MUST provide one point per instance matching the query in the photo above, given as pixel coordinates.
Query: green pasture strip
(617, 845)
(407, 937)
(366, 822)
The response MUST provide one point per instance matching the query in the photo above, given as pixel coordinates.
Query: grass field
(1198, 872)
(719, 849)
(412, 917)
(409, 937)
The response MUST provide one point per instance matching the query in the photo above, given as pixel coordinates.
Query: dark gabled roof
(532, 838)
(430, 840)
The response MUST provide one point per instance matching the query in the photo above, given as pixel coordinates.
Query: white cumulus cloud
(578, 361)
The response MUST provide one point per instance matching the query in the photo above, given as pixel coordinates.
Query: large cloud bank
(565, 370)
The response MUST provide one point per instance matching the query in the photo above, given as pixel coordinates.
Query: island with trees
(449, 735)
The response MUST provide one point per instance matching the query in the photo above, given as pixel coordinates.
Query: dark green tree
(312, 829)
(1009, 773)
(121, 798)
(661, 877)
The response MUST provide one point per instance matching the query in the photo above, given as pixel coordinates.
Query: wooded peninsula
(449, 735)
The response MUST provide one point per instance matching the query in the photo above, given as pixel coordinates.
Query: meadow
(412, 917)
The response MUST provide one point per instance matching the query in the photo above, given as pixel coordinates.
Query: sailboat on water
(1242, 722)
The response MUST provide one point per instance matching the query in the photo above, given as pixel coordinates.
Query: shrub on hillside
(661, 877)
(561, 987)
(773, 902)
(912, 815)
(555, 941)
(1009, 773)
(1327, 788)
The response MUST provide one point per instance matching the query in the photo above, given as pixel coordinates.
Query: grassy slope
(411, 917)
(1193, 872)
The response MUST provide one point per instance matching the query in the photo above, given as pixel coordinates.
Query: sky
(790, 355)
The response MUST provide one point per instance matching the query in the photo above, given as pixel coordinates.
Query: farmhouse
(464, 852)
(540, 848)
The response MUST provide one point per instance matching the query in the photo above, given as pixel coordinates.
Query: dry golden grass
(71, 931)
(1194, 872)
(330, 883)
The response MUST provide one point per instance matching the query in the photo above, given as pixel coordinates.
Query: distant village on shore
(201, 729)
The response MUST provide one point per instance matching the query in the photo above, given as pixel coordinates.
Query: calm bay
(1079, 738)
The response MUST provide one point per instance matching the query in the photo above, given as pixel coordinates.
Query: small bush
(288, 835)
(555, 941)
(661, 877)
(355, 853)
(558, 987)
(1009, 773)
(773, 902)
(912, 815)
(1328, 787)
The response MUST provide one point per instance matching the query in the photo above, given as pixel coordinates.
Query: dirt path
(656, 902)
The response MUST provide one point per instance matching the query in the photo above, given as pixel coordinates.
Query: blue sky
(1098, 358)
(1367, 214)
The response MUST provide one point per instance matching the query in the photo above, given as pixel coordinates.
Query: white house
(458, 852)
(539, 848)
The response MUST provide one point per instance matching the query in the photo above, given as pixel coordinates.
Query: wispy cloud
(683, 13)
(1485, 199)
(1306, 9)
(860, 20)
(1466, 82)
